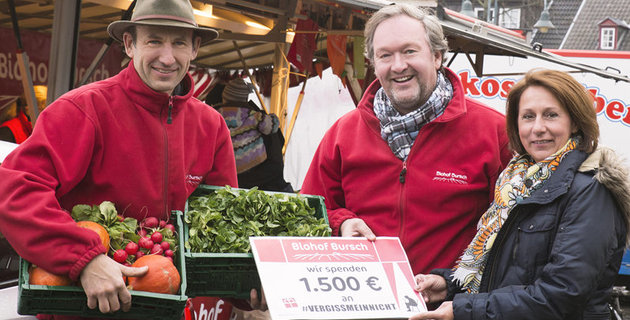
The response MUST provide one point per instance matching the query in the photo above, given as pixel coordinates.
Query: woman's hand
(432, 287)
(444, 312)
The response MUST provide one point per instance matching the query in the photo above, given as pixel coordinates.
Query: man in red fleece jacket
(417, 159)
(138, 139)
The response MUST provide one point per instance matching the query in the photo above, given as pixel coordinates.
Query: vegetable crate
(71, 300)
(229, 275)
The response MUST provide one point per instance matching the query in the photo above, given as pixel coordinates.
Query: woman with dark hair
(551, 243)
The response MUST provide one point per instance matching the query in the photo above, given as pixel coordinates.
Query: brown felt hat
(163, 13)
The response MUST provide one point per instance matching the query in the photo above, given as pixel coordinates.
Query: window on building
(479, 12)
(508, 18)
(607, 39)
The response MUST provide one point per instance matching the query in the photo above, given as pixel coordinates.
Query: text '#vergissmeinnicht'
(349, 307)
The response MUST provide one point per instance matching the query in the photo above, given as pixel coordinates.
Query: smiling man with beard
(416, 159)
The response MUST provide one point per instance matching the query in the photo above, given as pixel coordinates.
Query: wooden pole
(280, 85)
(298, 104)
(249, 75)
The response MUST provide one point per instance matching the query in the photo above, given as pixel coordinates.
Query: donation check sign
(336, 278)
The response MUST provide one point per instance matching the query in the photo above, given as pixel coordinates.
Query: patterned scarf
(400, 131)
(517, 182)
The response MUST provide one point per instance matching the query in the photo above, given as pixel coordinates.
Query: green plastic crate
(71, 300)
(229, 275)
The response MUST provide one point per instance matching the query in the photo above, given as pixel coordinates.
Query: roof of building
(618, 22)
(561, 13)
(584, 34)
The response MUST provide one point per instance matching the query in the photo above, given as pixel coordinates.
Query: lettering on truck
(488, 87)
(614, 110)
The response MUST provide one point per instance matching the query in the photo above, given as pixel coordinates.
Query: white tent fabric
(325, 101)
(5, 149)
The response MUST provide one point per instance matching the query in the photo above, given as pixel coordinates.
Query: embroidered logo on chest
(193, 180)
(450, 177)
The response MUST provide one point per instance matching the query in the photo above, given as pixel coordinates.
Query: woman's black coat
(559, 251)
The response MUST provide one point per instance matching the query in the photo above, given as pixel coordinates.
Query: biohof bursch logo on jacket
(451, 177)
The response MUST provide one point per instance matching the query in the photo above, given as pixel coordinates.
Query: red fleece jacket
(109, 140)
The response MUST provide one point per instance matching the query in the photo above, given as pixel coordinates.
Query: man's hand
(444, 312)
(255, 302)
(432, 287)
(356, 227)
(102, 281)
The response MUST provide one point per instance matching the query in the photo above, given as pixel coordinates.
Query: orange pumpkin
(40, 276)
(162, 276)
(99, 229)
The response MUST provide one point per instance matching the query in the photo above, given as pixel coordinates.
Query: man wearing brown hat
(138, 139)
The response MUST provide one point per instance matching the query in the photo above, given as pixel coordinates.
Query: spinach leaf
(224, 220)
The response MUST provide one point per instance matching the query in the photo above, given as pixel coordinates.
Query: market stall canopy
(249, 29)
(254, 25)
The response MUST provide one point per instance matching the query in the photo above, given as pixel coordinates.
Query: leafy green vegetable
(120, 232)
(224, 220)
(108, 212)
(104, 213)
(84, 212)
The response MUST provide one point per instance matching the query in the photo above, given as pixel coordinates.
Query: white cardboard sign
(336, 278)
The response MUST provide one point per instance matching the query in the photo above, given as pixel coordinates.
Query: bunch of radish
(129, 240)
(152, 236)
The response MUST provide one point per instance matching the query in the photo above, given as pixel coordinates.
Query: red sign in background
(209, 308)
(37, 47)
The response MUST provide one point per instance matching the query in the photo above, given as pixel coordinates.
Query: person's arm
(42, 169)
(267, 123)
(582, 248)
(45, 167)
(324, 179)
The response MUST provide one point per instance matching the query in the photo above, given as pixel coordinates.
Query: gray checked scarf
(400, 131)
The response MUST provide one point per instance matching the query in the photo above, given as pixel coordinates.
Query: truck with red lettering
(612, 98)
